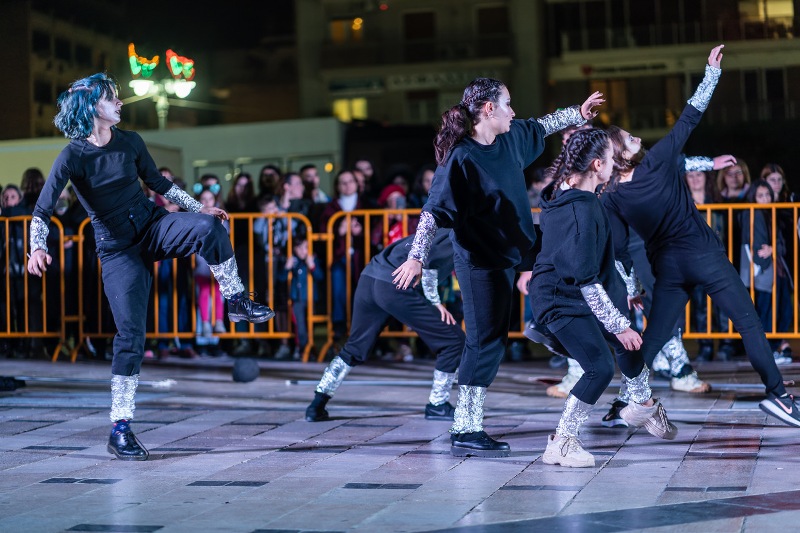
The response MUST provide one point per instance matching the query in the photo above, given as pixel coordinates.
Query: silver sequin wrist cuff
(702, 96)
(698, 163)
(562, 118)
(426, 231)
(604, 309)
(430, 285)
(178, 196)
(632, 284)
(39, 233)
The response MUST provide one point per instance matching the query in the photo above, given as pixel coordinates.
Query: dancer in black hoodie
(682, 249)
(581, 297)
(479, 190)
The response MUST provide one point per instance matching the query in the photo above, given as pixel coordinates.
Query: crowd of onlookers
(285, 257)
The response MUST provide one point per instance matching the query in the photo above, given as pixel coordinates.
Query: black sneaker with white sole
(613, 418)
(444, 411)
(783, 408)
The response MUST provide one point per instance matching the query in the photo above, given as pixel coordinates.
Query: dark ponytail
(576, 157)
(460, 120)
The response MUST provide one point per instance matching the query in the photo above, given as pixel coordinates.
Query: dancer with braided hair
(104, 164)
(682, 249)
(479, 190)
(582, 299)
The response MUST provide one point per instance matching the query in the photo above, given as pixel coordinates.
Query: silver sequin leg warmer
(575, 414)
(468, 417)
(442, 384)
(333, 376)
(639, 387)
(624, 395)
(227, 276)
(123, 397)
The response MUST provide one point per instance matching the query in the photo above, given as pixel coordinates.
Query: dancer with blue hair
(104, 164)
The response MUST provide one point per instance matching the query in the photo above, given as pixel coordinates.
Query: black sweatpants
(587, 341)
(677, 272)
(375, 301)
(486, 295)
(127, 248)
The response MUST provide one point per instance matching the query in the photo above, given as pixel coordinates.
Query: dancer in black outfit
(479, 190)
(582, 299)
(682, 249)
(104, 165)
(376, 300)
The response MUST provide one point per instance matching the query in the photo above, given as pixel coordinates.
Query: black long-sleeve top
(105, 177)
(479, 191)
(577, 251)
(657, 204)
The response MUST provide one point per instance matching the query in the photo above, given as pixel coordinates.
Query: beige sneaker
(566, 451)
(653, 418)
(562, 390)
(690, 383)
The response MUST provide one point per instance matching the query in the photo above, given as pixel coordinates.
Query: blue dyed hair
(77, 105)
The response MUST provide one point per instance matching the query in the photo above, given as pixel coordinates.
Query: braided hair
(460, 120)
(576, 157)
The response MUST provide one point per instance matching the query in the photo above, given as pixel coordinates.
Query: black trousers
(677, 272)
(587, 341)
(486, 296)
(127, 249)
(376, 301)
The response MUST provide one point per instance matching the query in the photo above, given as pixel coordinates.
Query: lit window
(349, 109)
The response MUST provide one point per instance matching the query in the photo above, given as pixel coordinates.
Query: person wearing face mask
(479, 190)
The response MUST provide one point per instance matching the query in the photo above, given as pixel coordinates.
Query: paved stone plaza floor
(235, 457)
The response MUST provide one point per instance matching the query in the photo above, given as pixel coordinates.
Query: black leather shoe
(316, 412)
(439, 412)
(541, 335)
(478, 444)
(126, 446)
(246, 309)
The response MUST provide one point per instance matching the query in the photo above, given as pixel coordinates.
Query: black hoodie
(577, 251)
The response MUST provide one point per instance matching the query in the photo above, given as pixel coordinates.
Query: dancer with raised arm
(479, 190)
(104, 164)
(682, 249)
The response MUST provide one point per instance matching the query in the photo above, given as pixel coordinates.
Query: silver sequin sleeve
(699, 162)
(430, 285)
(39, 232)
(561, 119)
(702, 96)
(632, 284)
(604, 309)
(178, 196)
(426, 231)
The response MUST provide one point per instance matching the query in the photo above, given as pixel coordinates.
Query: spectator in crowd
(757, 259)
(269, 180)
(209, 299)
(12, 205)
(301, 266)
(773, 174)
(31, 185)
(392, 197)
(313, 192)
(422, 185)
(733, 181)
(365, 167)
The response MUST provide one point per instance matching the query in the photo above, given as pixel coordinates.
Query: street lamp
(180, 84)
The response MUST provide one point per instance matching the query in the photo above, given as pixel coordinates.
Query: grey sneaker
(653, 418)
(566, 451)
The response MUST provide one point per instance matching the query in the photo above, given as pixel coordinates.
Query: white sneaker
(566, 451)
(653, 418)
(206, 329)
(690, 383)
(781, 359)
(562, 390)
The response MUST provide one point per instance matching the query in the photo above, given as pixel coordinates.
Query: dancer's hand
(636, 302)
(446, 316)
(722, 161)
(594, 100)
(408, 272)
(523, 281)
(215, 212)
(630, 339)
(38, 261)
(715, 57)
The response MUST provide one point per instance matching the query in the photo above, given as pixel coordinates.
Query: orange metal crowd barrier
(45, 308)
